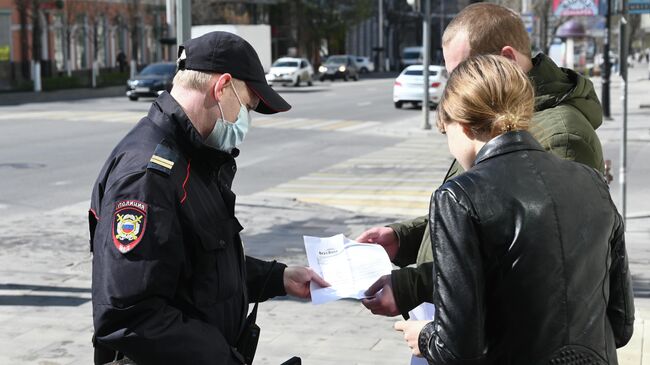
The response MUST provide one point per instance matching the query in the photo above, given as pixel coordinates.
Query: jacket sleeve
(457, 334)
(620, 308)
(577, 147)
(264, 279)
(412, 286)
(411, 232)
(133, 308)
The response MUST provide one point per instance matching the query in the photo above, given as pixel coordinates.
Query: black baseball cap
(222, 52)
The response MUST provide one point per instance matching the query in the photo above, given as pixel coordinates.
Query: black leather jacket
(529, 262)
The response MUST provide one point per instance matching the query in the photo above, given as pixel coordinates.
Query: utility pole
(183, 21)
(607, 66)
(426, 51)
(380, 50)
(622, 65)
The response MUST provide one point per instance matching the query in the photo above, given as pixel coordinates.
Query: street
(343, 159)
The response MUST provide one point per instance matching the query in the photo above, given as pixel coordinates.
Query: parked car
(289, 70)
(411, 56)
(339, 67)
(409, 85)
(365, 64)
(151, 81)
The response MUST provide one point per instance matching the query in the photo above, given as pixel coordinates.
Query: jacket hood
(555, 85)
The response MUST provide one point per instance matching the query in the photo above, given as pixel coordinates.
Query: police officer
(171, 283)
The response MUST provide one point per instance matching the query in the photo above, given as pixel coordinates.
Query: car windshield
(419, 72)
(410, 55)
(159, 69)
(285, 64)
(337, 60)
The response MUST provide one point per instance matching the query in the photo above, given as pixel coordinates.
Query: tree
(328, 20)
(22, 6)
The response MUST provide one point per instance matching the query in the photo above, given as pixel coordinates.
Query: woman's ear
(219, 87)
(468, 131)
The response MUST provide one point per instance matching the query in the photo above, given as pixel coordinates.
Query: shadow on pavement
(60, 289)
(42, 300)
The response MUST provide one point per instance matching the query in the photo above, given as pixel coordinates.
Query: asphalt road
(51, 153)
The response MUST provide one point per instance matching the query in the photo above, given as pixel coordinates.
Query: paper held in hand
(350, 267)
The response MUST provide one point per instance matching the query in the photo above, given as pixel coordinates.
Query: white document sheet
(423, 312)
(350, 267)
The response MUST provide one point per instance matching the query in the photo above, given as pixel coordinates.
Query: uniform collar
(507, 143)
(175, 121)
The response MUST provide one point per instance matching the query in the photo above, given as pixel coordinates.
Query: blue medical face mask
(226, 135)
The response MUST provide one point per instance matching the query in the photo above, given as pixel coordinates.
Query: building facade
(69, 36)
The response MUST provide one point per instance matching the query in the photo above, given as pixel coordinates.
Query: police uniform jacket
(530, 262)
(171, 283)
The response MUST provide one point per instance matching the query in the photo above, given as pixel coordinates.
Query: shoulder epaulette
(163, 159)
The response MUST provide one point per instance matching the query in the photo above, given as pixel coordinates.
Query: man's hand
(382, 300)
(384, 236)
(297, 278)
(411, 330)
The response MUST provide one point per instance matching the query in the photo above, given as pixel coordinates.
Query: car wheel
(356, 77)
(433, 106)
(398, 105)
(322, 78)
(297, 83)
(364, 70)
(345, 77)
(310, 83)
(133, 98)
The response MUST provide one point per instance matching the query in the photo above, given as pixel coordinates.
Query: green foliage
(62, 82)
(112, 78)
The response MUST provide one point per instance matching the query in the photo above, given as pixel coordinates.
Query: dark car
(151, 81)
(339, 67)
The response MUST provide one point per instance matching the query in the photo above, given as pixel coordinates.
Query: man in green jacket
(567, 113)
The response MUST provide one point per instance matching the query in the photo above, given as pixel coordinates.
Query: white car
(288, 70)
(409, 85)
(364, 64)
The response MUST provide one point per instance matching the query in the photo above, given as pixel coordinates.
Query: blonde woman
(530, 264)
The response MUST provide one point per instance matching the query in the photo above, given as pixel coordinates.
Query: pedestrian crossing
(338, 125)
(397, 180)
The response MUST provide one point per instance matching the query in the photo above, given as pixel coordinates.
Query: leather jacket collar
(506, 143)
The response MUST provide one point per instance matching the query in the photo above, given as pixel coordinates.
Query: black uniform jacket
(171, 283)
(530, 265)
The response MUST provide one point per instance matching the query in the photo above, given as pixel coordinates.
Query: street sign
(575, 7)
(638, 6)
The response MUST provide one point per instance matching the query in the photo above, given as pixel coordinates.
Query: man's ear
(219, 87)
(509, 53)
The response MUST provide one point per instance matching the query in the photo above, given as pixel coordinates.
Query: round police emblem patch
(129, 222)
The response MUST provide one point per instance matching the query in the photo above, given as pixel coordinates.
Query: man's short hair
(191, 79)
(489, 28)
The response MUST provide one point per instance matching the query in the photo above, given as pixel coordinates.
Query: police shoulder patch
(163, 159)
(129, 223)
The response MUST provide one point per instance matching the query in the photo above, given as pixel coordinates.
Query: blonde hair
(488, 93)
(489, 28)
(191, 79)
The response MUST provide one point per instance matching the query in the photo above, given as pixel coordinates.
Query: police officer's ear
(219, 87)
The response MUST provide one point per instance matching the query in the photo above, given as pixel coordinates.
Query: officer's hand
(297, 279)
(411, 330)
(384, 236)
(380, 299)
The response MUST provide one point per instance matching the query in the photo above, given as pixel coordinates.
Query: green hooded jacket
(567, 114)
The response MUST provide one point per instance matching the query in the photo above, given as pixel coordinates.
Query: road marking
(364, 103)
(61, 183)
(384, 182)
